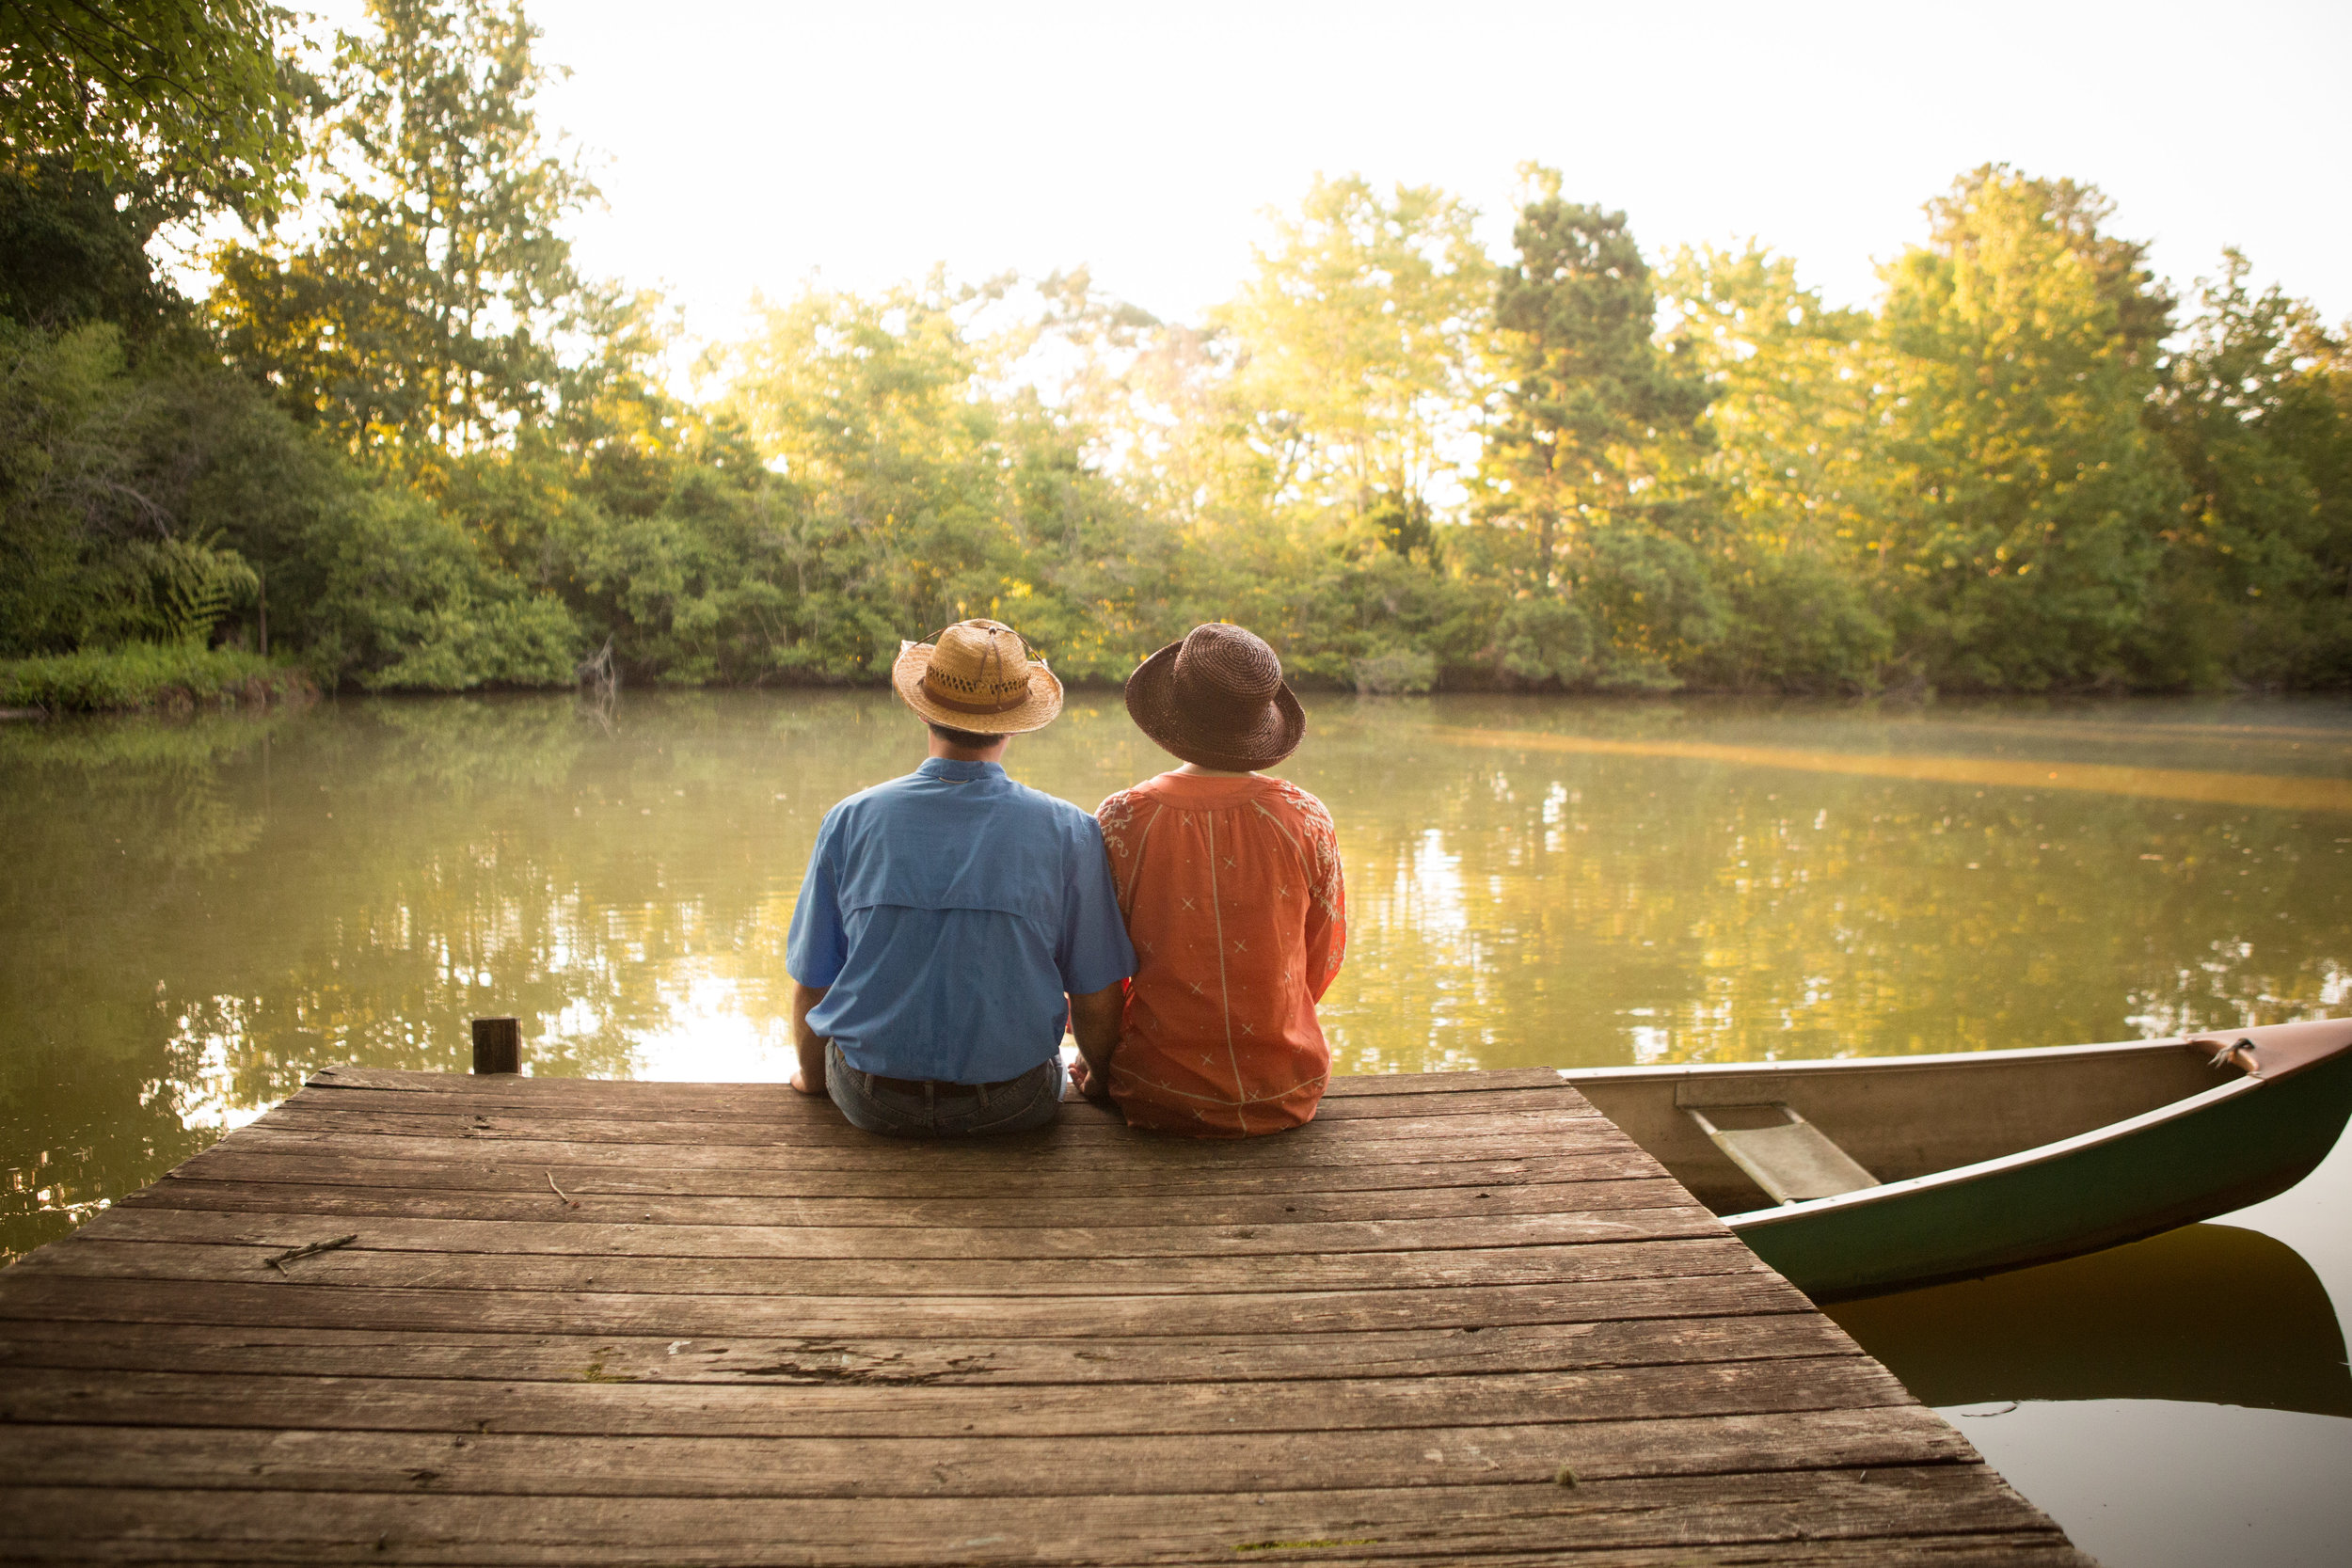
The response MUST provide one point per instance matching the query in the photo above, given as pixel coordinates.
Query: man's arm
(810, 1078)
(1094, 1019)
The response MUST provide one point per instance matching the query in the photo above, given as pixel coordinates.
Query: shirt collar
(959, 772)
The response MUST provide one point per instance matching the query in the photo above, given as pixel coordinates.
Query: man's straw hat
(977, 676)
(1217, 699)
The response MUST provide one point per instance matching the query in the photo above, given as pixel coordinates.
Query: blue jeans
(1022, 1106)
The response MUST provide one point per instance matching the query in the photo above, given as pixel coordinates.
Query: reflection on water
(2287, 793)
(2156, 1485)
(2211, 1314)
(197, 913)
(1613, 883)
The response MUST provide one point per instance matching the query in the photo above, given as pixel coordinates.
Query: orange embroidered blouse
(1234, 897)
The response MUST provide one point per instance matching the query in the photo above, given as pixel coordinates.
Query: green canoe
(1893, 1172)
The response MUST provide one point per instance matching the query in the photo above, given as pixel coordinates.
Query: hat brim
(1040, 708)
(1269, 737)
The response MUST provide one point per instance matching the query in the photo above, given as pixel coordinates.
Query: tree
(1584, 385)
(1359, 336)
(425, 319)
(1591, 406)
(913, 493)
(2257, 412)
(2024, 491)
(1795, 464)
(177, 103)
(71, 252)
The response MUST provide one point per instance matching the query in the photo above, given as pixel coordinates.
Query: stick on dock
(1459, 1318)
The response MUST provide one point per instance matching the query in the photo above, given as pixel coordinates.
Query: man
(952, 920)
(1230, 886)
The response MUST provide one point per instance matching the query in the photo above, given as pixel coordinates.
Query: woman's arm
(1094, 1019)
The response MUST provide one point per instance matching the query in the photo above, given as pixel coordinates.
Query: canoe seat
(1793, 1160)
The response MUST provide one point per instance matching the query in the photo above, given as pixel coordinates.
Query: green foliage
(1396, 671)
(1652, 604)
(409, 601)
(1542, 640)
(162, 506)
(2023, 488)
(911, 497)
(186, 102)
(1359, 334)
(406, 442)
(71, 253)
(95, 511)
(2257, 412)
(1587, 393)
(423, 319)
(1796, 465)
(143, 675)
(1792, 622)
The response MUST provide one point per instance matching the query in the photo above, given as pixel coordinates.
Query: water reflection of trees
(1536, 907)
(206, 912)
(112, 827)
(200, 913)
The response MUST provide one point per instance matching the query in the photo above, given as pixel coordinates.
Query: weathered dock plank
(1460, 1317)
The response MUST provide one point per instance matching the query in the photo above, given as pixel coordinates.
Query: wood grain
(1833, 1519)
(603, 1322)
(1264, 1358)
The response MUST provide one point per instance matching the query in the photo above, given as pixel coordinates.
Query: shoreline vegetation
(402, 441)
(148, 677)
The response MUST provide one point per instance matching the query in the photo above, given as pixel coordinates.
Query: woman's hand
(1096, 1087)
(1094, 1019)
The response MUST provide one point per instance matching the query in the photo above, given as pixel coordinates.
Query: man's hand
(1094, 1019)
(809, 1077)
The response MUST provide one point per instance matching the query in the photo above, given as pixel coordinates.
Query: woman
(1230, 887)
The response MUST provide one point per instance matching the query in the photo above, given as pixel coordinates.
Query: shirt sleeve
(1327, 895)
(817, 946)
(1093, 950)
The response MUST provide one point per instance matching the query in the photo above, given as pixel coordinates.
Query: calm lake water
(195, 914)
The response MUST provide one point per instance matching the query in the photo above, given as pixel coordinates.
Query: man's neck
(1200, 772)
(953, 753)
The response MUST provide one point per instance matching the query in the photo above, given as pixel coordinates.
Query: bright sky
(750, 146)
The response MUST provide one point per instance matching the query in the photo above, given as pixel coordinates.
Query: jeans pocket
(872, 1109)
(1018, 1112)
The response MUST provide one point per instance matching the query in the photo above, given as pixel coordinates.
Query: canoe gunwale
(1926, 1063)
(1959, 1176)
(2205, 1152)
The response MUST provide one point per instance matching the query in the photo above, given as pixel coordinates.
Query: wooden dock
(1460, 1317)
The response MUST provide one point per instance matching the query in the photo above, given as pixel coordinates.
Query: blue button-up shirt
(948, 912)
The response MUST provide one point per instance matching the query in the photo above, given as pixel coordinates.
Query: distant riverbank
(148, 677)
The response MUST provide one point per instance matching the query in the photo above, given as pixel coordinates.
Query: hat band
(959, 705)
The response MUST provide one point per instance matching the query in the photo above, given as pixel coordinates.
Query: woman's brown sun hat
(1217, 699)
(977, 676)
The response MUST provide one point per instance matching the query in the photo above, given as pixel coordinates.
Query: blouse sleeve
(1116, 816)
(1326, 886)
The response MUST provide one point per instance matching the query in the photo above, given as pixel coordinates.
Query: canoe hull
(2207, 1155)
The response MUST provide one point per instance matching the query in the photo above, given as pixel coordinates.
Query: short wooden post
(498, 1045)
